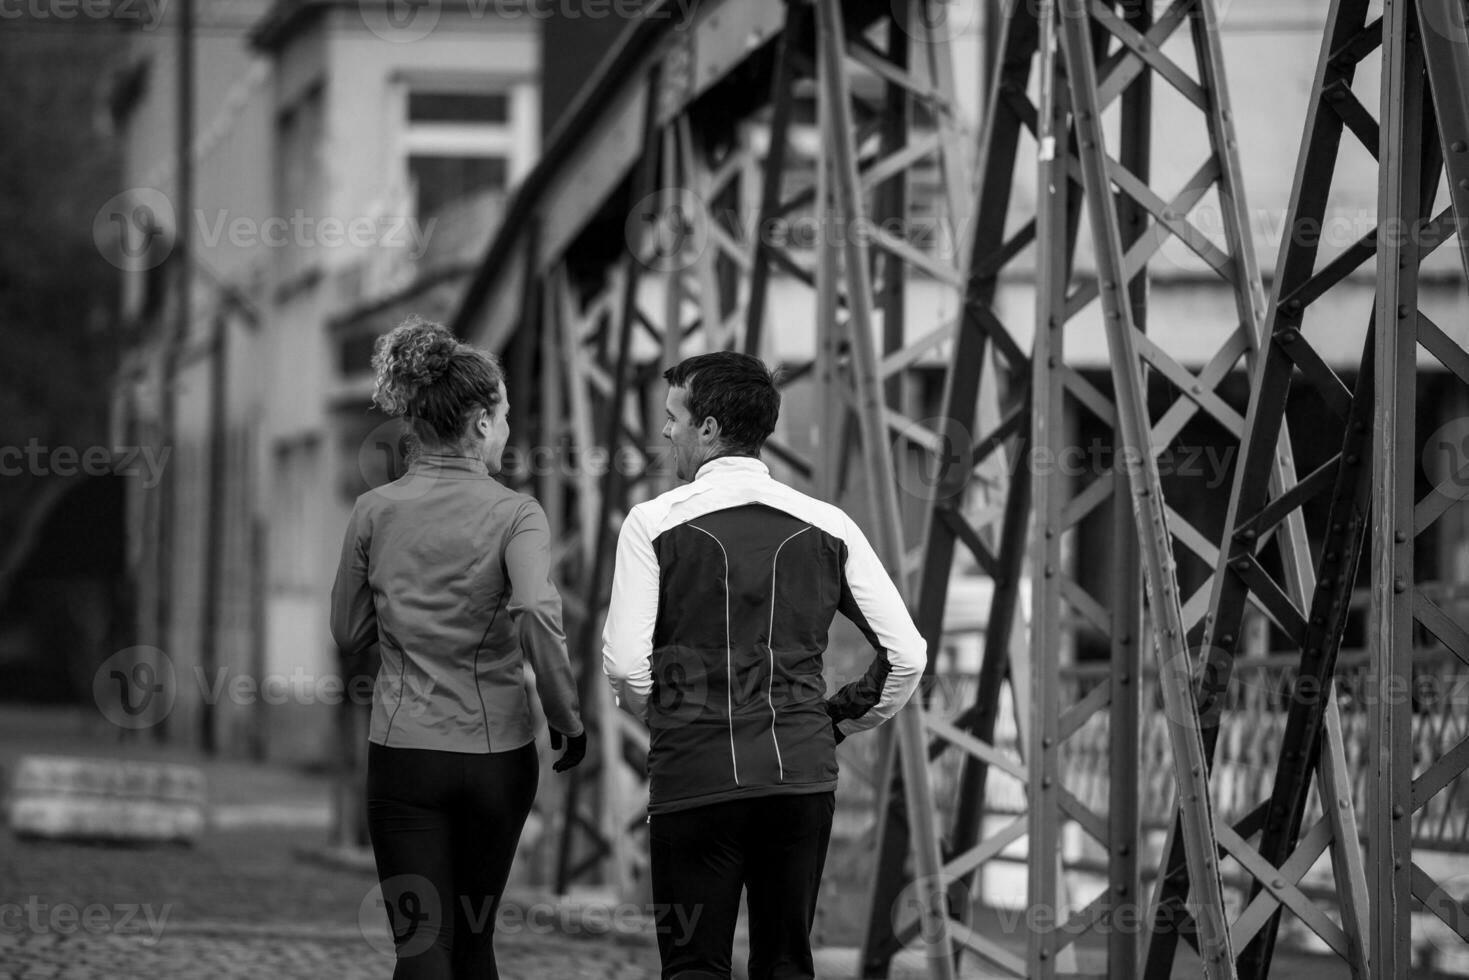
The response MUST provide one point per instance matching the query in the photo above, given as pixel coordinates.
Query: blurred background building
(337, 179)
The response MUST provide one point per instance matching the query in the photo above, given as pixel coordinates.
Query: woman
(449, 573)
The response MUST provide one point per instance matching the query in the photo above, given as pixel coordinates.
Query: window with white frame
(461, 141)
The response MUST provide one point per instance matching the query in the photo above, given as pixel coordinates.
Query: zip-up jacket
(449, 571)
(722, 598)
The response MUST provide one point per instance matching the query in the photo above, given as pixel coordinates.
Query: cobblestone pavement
(238, 904)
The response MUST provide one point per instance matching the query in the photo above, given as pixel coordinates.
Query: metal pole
(848, 211)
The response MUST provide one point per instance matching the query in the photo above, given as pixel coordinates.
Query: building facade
(342, 169)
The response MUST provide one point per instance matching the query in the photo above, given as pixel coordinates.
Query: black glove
(576, 749)
(835, 731)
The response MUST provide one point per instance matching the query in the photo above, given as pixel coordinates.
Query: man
(722, 597)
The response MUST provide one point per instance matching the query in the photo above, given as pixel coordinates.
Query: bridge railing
(1252, 716)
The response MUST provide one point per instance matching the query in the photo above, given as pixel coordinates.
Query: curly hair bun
(414, 354)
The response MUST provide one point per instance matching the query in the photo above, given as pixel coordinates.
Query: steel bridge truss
(835, 111)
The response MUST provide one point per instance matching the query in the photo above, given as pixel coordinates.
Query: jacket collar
(438, 463)
(725, 466)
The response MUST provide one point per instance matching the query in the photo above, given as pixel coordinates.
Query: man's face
(691, 443)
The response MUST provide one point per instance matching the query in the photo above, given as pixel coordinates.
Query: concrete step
(106, 800)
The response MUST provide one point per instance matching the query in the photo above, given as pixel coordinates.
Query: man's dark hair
(738, 390)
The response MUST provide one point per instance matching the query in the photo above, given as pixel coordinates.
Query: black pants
(773, 847)
(444, 828)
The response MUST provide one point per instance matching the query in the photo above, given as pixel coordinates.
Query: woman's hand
(576, 749)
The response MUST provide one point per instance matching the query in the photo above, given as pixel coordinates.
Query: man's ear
(709, 429)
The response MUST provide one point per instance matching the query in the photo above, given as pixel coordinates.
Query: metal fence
(1252, 719)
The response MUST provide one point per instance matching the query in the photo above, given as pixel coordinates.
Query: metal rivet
(1398, 585)
(1397, 811)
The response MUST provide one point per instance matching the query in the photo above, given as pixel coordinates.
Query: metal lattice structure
(630, 248)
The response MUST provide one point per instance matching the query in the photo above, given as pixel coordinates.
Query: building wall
(284, 141)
